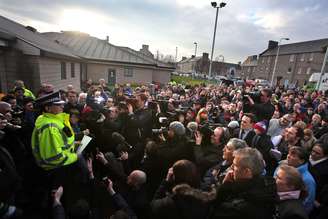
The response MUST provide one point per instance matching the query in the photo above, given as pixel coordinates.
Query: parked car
(262, 82)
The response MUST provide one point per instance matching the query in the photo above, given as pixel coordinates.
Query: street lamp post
(195, 62)
(214, 5)
(195, 48)
(276, 60)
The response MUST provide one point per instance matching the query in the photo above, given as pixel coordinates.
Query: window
(269, 60)
(63, 70)
(72, 70)
(291, 58)
(289, 70)
(308, 70)
(299, 71)
(263, 59)
(311, 57)
(302, 57)
(128, 72)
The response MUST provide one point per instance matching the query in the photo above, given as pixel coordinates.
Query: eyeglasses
(315, 152)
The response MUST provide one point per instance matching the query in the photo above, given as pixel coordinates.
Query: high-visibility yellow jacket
(28, 93)
(51, 147)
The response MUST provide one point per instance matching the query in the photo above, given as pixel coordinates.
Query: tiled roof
(300, 47)
(35, 39)
(90, 47)
(191, 59)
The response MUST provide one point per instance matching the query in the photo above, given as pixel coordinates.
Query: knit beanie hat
(233, 124)
(178, 128)
(260, 126)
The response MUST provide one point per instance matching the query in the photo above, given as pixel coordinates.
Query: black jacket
(291, 209)
(174, 150)
(249, 199)
(263, 111)
(207, 156)
(320, 174)
(9, 178)
(185, 202)
(248, 138)
(264, 144)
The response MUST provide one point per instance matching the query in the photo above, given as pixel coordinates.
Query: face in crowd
(216, 136)
(55, 108)
(228, 153)
(246, 123)
(317, 153)
(290, 134)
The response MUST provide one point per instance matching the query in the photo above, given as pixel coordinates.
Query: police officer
(53, 137)
(53, 141)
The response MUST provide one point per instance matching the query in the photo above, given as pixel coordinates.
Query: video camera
(256, 96)
(164, 123)
(8, 124)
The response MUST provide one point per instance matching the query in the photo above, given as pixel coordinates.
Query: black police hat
(52, 98)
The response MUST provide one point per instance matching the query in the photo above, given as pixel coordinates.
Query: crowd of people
(163, 151)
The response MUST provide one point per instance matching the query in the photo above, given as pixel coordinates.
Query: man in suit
(246, 131)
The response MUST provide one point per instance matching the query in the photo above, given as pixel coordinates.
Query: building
(200, 64)
(248, 67)
(27, 55)
(296, 61)
(113, 63)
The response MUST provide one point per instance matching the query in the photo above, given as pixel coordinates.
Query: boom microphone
(119, 139)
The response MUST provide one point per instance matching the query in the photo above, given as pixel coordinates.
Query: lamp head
(214, 4)
(222, 4)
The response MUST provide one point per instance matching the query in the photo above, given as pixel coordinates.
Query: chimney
(272, 44)
(107, 39)
(205, 55)
(145, 47)
(31, 29)
(145, 50)
(193, 56)
(239, 63)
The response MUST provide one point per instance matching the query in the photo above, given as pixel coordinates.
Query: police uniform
(53, 137)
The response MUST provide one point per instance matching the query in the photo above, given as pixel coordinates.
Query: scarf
(289, 195)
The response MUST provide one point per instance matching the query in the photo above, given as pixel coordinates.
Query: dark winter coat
(185, 202)
(291, 209)
(249, 199)
(264, 144)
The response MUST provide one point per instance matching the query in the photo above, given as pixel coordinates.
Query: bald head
(5, 109)
(137, 178)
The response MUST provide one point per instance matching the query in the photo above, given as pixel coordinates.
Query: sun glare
(84, 21)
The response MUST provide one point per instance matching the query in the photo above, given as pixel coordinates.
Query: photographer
(140, 118)
(9, 180)
(263, 109)
(175, 147)
(209, 153)
(12, 140)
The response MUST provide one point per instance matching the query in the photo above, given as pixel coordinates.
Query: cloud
(244, 27)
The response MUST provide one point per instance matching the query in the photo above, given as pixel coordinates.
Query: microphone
(119, 139)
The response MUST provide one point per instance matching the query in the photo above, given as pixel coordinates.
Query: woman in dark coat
(291, 190)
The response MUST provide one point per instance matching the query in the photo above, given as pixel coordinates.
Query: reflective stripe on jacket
(51, 147)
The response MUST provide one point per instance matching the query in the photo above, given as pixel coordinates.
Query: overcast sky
(244, 26)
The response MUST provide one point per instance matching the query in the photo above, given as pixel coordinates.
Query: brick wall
(299, 69)
(50, 72)
(141, 75)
